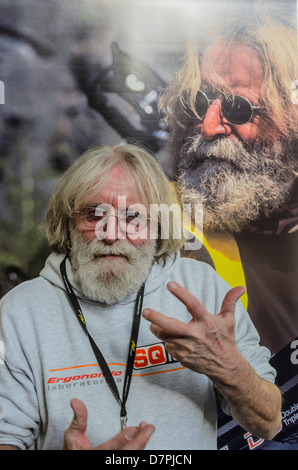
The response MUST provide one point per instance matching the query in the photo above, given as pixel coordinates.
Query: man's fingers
(120, 440)
(131, 438)
(196, 308)
(230, 300)
(192, 303)
(167, 328)
(164, 327)
(79, 422)
(74, 438)
(140, 441)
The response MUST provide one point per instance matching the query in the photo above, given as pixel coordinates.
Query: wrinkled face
(108, 262)
(239, 172)
(237, 69)
(117, 198)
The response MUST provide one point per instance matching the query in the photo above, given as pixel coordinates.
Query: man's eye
(99, 213)
(90, 215)
(95, 215)
(131, 215)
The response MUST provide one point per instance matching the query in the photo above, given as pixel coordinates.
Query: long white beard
(235, 185)
(109, 280)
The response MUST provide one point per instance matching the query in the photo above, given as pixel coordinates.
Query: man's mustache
(99, 248)
(197, 150)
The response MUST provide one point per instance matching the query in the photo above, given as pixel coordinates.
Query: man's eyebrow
(104, 205)
(95, 204)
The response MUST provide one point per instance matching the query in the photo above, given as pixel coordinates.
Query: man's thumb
(229, 302)
(79, 422)
(74, 437)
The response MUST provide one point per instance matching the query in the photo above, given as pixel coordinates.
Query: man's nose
(214, 124)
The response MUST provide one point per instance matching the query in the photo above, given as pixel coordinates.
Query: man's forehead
(232, 64)
(114, 196)
(119, 184)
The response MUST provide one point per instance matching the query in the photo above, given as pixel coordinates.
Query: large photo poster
(81, 73)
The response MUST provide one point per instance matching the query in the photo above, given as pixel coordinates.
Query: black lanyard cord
(101, 360)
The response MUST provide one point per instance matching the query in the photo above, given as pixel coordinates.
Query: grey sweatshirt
(46, 360)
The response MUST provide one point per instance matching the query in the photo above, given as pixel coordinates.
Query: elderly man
(76, 335)
(233, 116)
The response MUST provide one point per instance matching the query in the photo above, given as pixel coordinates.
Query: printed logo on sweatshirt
(152, 355)
(147, 357)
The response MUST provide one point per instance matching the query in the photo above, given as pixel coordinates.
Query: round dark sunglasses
(235, 108)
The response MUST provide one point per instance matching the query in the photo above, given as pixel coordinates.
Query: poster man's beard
(109, 280)
(236, 185)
